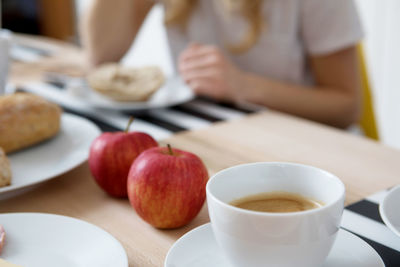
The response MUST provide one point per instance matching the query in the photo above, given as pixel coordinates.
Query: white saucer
(389, 210)
(198, 248)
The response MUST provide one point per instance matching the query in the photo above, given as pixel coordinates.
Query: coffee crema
(276, 202)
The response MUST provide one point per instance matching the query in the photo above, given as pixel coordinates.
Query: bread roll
(122, 83)
(5, 170)
(25, 120)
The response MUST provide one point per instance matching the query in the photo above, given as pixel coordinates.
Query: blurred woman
(295, 56)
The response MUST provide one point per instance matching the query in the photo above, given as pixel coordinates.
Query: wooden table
(364, 166)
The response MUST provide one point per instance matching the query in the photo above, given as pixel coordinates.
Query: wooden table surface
(363, 165)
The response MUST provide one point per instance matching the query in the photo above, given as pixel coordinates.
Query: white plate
(390, 211)
(173, 92)
(198, 248)
(53, 157)
(47, 240)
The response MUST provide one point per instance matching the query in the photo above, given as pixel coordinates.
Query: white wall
(381, 22)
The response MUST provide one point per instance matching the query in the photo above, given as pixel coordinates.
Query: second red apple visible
(166, 187)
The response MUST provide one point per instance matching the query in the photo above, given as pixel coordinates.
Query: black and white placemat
(160, 123)
(363, 219)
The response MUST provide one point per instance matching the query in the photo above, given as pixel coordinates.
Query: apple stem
(170, 150)
(129, 124)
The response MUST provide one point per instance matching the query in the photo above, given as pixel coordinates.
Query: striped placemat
(361, 218)
(160, 123)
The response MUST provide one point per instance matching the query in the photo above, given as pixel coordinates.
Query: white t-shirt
(294, 30)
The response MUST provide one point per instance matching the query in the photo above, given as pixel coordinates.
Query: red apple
(111, 155)
(167, 187)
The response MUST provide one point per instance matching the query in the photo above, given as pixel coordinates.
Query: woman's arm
(109, 28)
(334, 100)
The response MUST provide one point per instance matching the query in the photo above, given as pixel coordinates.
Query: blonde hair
(179, 11)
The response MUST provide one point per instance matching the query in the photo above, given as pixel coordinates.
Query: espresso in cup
(276, 202)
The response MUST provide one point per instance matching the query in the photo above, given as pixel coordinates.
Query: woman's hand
(208, 72)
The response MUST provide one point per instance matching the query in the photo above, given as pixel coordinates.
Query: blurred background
(60, 19)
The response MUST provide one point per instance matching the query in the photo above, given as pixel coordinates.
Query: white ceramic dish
(390, 211)
(47, 240)
(198, 248)
(173, 92)
(53, 157)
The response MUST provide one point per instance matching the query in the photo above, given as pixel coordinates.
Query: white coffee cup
(250, 238)
(5, 43)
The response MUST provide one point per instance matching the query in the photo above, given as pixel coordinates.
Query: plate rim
(8, 189)
(76, 220)
(382, 211)
(208, 225)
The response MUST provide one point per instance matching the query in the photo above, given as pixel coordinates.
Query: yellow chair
(368, 121)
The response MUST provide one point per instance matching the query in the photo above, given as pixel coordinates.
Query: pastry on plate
(122, 83)
(25, 120)
(5, 170)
